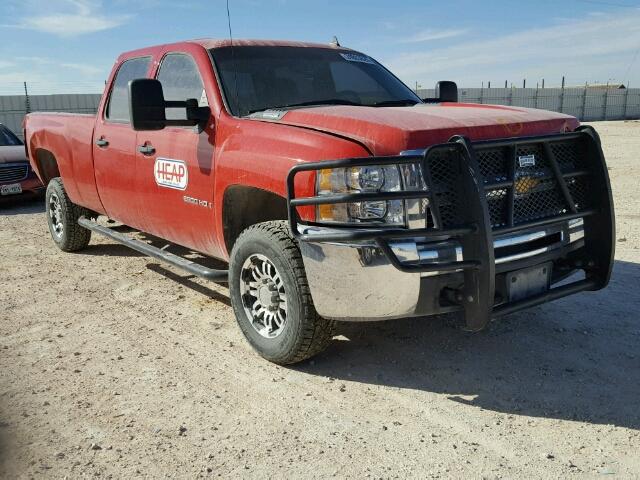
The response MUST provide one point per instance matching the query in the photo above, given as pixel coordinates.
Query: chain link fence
(588, 104)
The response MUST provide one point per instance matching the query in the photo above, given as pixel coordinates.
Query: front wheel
(62, 217)
(271, 298)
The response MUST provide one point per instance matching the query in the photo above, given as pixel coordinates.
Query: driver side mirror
(147, 107)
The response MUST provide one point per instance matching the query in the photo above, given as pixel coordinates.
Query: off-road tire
(305, 333)
(73, 237)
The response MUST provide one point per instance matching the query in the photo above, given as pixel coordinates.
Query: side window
(118, 107)
(181, 80)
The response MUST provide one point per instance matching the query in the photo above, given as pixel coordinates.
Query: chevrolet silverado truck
(333, 191)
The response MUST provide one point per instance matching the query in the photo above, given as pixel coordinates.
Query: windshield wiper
(396, 103)
(329, 101)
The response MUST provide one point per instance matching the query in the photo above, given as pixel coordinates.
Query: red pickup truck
(330, 188)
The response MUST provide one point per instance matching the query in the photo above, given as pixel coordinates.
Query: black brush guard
(461, 212)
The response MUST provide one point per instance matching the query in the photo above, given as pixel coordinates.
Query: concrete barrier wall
(14, 107)
(588, 104)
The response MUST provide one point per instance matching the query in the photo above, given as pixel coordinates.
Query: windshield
(258, 78)
(7, 138)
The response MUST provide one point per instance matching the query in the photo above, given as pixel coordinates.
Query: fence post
(606, 101)
(535, 104)
(626, 102)
(562, 97)
(584, 103)
(27, 102)
(481, 92)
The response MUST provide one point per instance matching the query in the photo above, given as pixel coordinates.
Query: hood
(389, 130)
(13, 153)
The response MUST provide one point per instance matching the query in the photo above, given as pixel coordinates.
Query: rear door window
(118, 107)
(181, 81)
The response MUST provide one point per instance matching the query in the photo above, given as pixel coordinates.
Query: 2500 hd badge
(197, 201)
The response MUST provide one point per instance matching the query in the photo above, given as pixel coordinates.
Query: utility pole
(606, 101)
(27, 102)
(626, 102)
(584, 102)
(562, 96)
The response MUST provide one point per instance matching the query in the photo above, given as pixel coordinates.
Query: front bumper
(463, 262)
(370, 287)
(10, 173)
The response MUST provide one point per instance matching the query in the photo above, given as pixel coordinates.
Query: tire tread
(76, 237)
(317, 331)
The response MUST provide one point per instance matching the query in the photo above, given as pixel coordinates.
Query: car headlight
(365, 179)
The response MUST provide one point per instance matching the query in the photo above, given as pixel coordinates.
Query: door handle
(102, 142)
(146, 149)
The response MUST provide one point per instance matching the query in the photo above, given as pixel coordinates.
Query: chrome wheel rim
(263, 296)
(55, 214)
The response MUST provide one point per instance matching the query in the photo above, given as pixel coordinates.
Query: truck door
(114, 146)
(175, 165)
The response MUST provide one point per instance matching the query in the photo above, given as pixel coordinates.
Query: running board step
(158, 253)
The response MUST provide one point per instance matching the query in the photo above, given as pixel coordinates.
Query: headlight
(366, 179)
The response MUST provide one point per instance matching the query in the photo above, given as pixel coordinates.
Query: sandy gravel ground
(114, 366)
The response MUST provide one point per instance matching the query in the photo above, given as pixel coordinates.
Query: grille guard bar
(473, 228)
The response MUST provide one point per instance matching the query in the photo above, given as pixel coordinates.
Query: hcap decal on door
(171, 173)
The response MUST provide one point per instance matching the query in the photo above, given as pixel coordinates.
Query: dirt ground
(114, 366)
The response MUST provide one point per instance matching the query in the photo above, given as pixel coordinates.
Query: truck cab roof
(213, 43)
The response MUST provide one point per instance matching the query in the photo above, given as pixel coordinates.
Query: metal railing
(585, 103)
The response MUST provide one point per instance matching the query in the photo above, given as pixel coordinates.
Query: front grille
(13, 173)
(523, 180)
(444, 170)
(520, 192)
(497, 203)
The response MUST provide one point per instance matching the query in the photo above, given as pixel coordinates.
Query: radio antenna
(233, 59)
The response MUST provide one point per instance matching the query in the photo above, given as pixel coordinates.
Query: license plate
(528, 281)
(12, 189)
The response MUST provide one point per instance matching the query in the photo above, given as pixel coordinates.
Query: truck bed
(67, 137)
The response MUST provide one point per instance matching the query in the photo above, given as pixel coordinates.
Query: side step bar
(157, 253)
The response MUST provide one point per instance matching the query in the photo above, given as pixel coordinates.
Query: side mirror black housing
(146, 104)
(147, 107)
(447, 91)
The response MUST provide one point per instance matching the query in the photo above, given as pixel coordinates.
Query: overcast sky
(70, 45)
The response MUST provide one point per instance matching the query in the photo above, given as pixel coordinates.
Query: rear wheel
(271, 298)
(62, 217)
